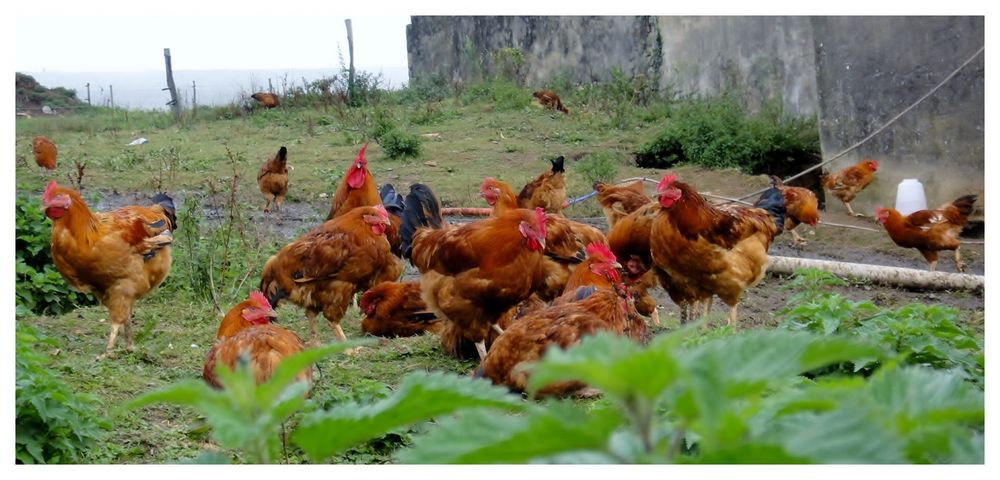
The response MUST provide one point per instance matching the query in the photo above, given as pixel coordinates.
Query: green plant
(508, 63)
(243, 415)
(395, 143)
(39, 288)
(53, 424)
(602, 166)
(721, 133)
(921, 334)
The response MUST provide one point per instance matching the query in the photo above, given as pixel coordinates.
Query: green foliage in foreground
(745, 398)
(52, 423)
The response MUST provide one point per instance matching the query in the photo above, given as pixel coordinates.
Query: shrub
(39, 288)
(53, 424)
(504, 95)
(395, 143)
(720, 133)
(602, 166)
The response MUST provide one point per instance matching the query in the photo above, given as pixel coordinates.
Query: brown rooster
(266, 100)
(45, 152)
(847, 183)
(395, 309)
(119, 256)
(708, 250)
(550, 100)
(548, 191)
(247, 330)
(629, 240)
(272, 178)
(323, 269)
(472, 274)
(802, 207)
(930, 231)
(357, 189)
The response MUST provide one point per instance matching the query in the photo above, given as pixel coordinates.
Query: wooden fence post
(350, 71)
(174, 104)
(88, 93)
(194, 99)
(111, 90)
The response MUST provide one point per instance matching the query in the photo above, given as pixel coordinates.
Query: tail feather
(392, 200)
(558, 164)
(773, 201)
(965, 204)
(163, 200)
(282, 154)
(421, 209)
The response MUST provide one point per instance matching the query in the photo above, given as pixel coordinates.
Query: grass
(175, 327)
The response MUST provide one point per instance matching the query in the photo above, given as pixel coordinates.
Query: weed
(599, 166)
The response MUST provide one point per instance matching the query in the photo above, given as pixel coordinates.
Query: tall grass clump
(722, 133)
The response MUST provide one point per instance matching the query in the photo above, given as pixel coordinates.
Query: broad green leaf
(845, 435)
(484, 436)
(420, 396)
(753, 454)
(187, 392)
(915, 396)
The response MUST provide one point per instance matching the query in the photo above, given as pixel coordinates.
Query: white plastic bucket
(910, 196)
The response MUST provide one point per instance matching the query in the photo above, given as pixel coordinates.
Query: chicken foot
(851, 211)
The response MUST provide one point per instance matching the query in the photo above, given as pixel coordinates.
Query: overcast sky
(116, 44)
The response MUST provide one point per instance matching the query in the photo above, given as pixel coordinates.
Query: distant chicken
(247, 330)
(395, 309)
(619, 201)
(708, 250)
(591, 310)
(45, 152)
(802, 207)
(472, 274)
(266, 100)
(548, 191)
(930, 231)
(847, 183)
(550, 100)
(323, 269)
(119, 256)
(272, 178)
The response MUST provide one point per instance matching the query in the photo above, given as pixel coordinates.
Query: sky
(136, 43)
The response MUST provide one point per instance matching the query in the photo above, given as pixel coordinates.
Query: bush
(39, 288)
(504, 95)
(395, 143)
(720, 133)
(53, 424)
(602, 166)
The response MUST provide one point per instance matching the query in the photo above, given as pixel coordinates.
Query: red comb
(540, 218)
(361, 154)
(49, 189)
(259, 299)
(602, 251)
(381, 211)
(487, 180)
(667, 180)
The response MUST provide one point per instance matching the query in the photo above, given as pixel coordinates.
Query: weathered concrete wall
(583, 49)
(855, 73)
(871, 68)
(760, 58)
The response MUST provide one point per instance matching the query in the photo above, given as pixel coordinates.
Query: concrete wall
(871, 68)
(855, 73)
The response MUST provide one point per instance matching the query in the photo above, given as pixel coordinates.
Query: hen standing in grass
(119, 256)
(45, 152)
(272, 178)
(550, 100)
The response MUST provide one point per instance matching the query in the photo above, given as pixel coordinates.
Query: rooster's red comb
(667, 180)
(361, 154)
(51, 187)
(600, 250)
(540, 218)
(259, 300)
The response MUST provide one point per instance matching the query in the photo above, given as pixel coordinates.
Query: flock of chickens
(500, 289)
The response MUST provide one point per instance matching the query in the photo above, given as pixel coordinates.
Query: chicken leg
(481, 349)
(958, 261)
(851, 211)
(731, 318)
(313, 334)
(797, 239)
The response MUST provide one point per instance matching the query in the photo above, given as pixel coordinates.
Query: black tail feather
(392, 201)
(965, 204)
(421, 209)
(558, 164)
(163, 200)
(773, 201)
(283, 154)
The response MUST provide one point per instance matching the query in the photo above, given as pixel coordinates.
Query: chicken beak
(271, 313)
(617, 266)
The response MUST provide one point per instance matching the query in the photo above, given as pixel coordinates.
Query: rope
(883, 127)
